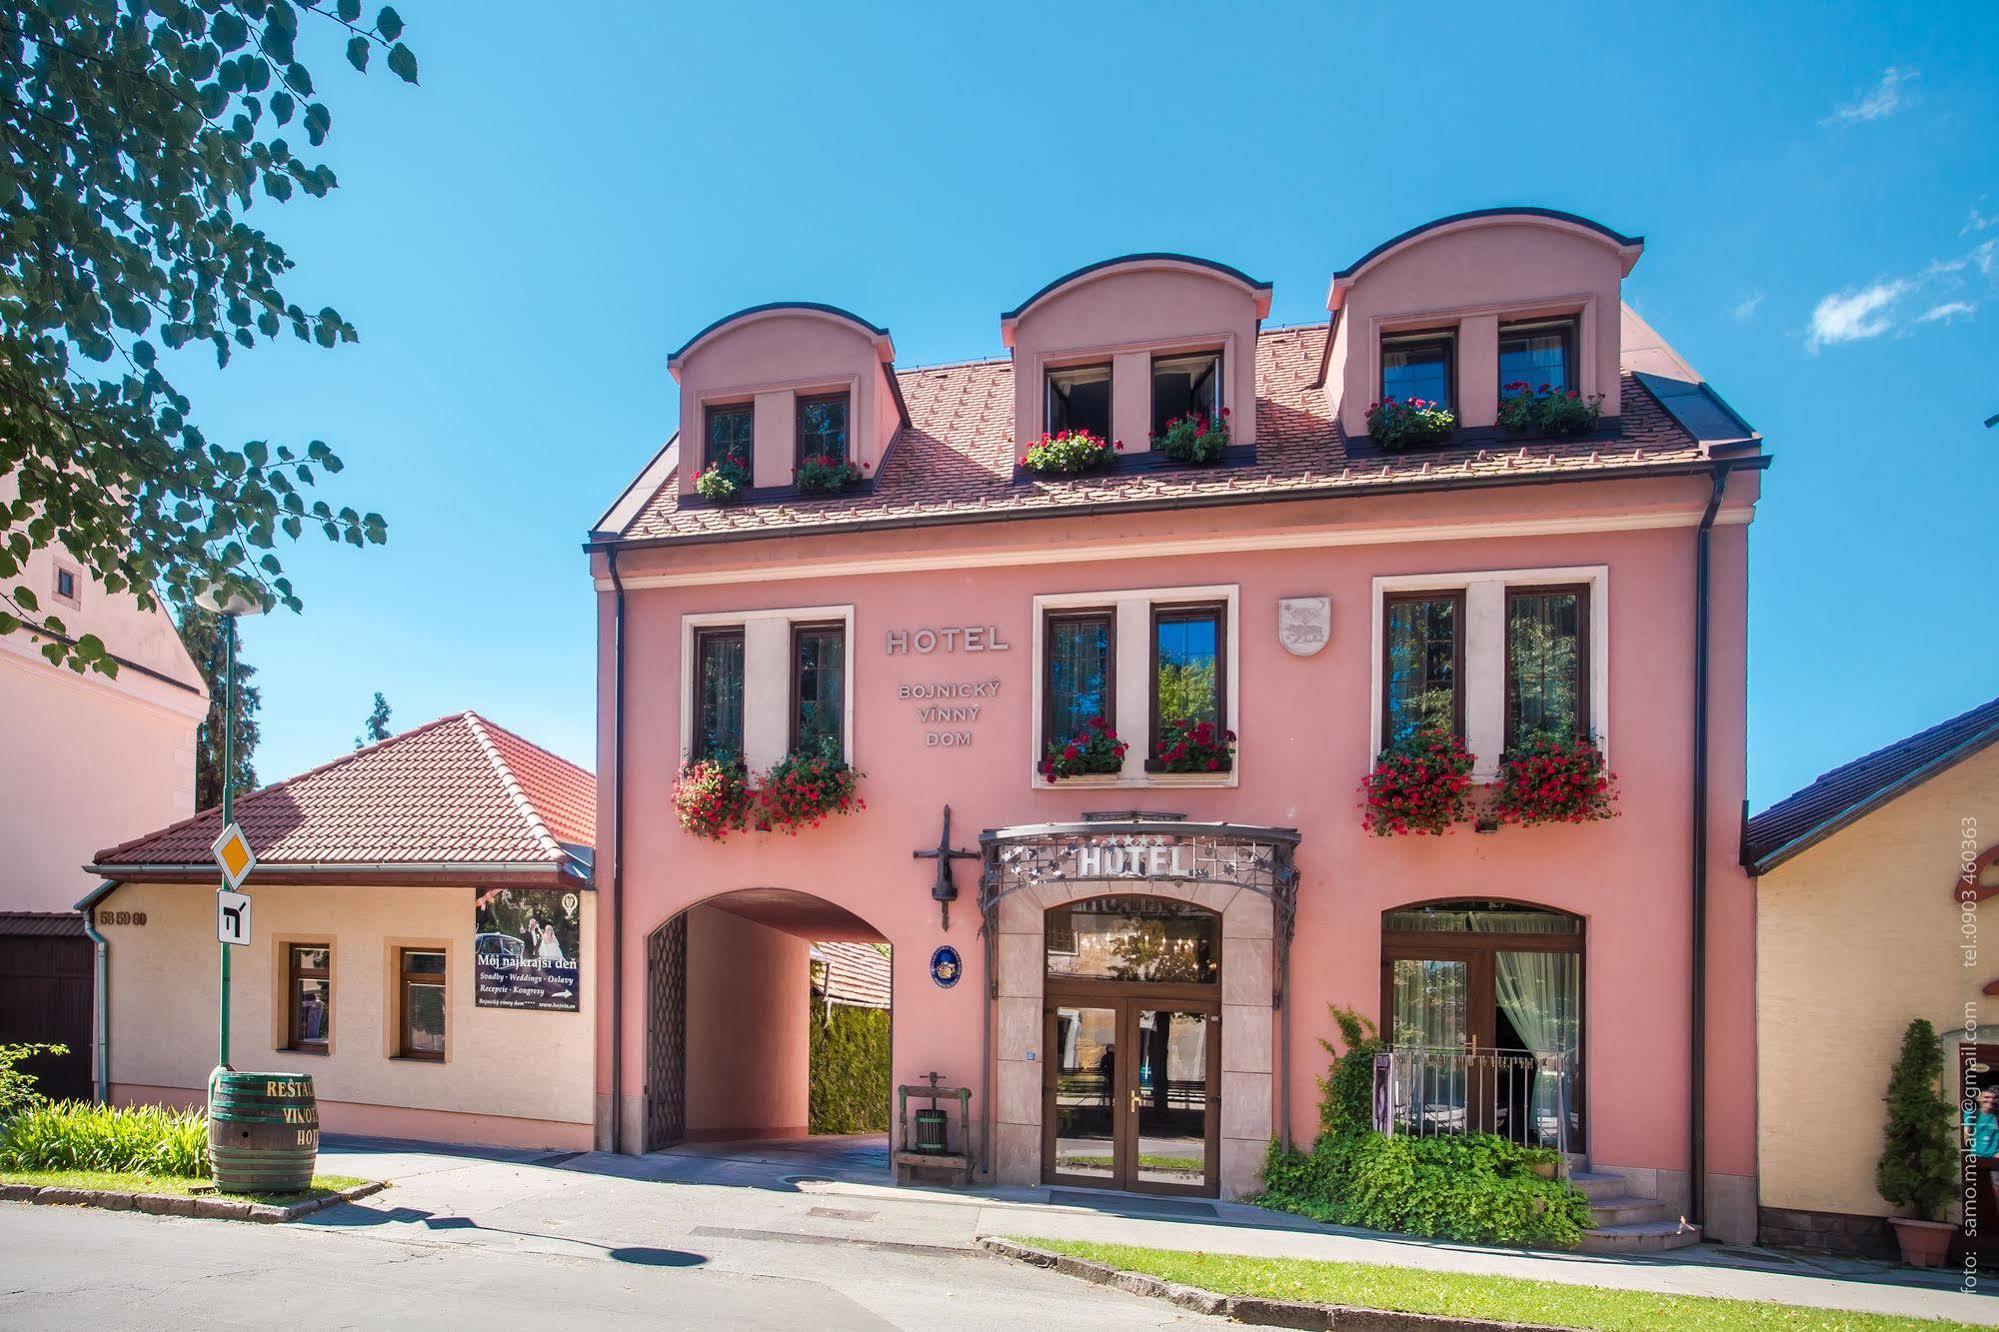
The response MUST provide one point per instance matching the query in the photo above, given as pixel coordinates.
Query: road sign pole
(228, 799)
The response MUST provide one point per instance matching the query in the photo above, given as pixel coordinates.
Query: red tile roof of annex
(458, 791)
(956, 457)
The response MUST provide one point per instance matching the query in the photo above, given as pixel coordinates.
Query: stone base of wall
(398, 1121)
(1827, 1232)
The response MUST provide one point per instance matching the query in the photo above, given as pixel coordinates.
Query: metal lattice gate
(666, 1034)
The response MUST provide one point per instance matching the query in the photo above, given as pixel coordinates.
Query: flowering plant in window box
(1094, 749)
(1550, 779)
(1547, 411)
(723, 480)
(807, 785)
(1068, 452)
(1194, 438)
(1419, 785)
(712, 797)
(822, 474)
(1397, 425)
(1187, 745)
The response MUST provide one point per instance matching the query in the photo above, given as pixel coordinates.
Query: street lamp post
(228, 602)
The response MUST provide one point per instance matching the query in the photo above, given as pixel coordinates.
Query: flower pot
(1924, 1243)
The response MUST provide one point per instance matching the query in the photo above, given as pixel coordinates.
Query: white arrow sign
(232, 919)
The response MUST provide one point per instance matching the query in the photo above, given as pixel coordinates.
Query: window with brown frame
(1186, 384)
(1078, 673)
(1422, 676)
(309, 997)
(1189, 670)
(420, 1007)
(1547, 664)
(1079, 398)
(730, 433)
(718, 694)
(1420, 365)
(1540, 354)
(822, 427)
(68, 587)
(818, 686)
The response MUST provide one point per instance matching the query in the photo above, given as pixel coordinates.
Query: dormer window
(730, 434)
(822, 427)
(1079, 398)
(1183, 385)
(1420, 365)
(1537, 354)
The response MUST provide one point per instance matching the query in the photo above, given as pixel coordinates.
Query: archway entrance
(742, 990)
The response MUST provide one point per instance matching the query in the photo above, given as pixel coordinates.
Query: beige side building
(1870, 911)
(422, 917)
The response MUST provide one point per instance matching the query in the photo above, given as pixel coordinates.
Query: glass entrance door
(1131, 1096)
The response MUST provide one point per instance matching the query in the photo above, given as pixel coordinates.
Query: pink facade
(949, 537)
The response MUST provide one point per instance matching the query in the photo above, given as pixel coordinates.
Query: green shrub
(849, 1070)
(17, 1086)
(1918, 1166)
(75, 1135)
(1472, 1187)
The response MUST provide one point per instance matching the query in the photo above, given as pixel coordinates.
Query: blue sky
(522, 239)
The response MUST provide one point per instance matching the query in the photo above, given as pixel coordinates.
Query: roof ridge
(1833, 773)
(282, 782)
(512, 785)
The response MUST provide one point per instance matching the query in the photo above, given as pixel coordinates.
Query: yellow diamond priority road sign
(233, 854)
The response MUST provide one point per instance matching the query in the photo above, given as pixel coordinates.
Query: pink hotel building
(1149, 957)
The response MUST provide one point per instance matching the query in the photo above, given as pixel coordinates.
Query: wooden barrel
(263, 1131)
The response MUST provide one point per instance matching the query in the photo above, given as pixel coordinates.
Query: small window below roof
(1186, 384)
(1540, 355)
(822, 427)
(1419, 366)
(731, 435)
(68, 588)
(1079, 398)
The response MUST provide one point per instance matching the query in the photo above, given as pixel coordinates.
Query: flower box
(1419, 786)
(724, 481)
(1186, 745)
(1194, 438)
(1547, 411)
(1552, 780)
(1069, 452)
(806, 787)
(1397, 425)
(1093, 751)
(712, 797)
(824, 475)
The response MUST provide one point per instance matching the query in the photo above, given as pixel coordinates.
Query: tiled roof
(957, 456)
(458, 791)
(1848, 793)
(41, 924)
(856, 974)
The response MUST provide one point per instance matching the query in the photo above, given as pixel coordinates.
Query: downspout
(1697, 1080)
(617, 855)
(100, 1074)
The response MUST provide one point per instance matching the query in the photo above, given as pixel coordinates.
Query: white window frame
(766, 675)
(1131, 611)
(1483, 671)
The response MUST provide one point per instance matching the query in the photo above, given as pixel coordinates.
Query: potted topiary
(1918, 1167)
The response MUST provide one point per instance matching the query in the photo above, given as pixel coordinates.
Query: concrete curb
(159, 1204)
(1251, 1309)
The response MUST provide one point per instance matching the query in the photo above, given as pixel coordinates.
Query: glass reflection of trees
(1133, 939)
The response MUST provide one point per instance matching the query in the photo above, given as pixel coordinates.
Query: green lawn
(1513, 1299)
(173, 1186)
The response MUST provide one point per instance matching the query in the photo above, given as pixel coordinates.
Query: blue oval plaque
(946, 966)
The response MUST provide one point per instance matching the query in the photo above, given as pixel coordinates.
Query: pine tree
(1918, 1167)
(377, 726)
(201, 632)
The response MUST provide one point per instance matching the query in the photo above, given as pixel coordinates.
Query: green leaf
(357, 50)
(26, 599)
(282, 106)
(349, 11)
(402, 63)
(318, 120)
(228, 31)
(390, 25)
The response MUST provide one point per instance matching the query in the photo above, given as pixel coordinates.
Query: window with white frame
(1499, 656)
(761, 684)
(1147, 663)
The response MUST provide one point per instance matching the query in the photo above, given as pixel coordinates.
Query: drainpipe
(617, 856)
(100, 1034)
(1697, 1107)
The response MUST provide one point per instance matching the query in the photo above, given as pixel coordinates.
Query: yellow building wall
(1855, 937)
(510, 1077)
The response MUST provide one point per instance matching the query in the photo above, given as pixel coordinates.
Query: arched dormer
(1120, 346)
(1459, 306)
(776, 380)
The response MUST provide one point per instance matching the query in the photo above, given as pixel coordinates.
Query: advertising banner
(528, 948)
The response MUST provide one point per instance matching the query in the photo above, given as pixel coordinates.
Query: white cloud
(1850, 316)
(1979, 222)
(1883, 99)
(1745, 309)
(1947, 312)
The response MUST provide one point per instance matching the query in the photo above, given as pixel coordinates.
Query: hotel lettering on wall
(948, 709)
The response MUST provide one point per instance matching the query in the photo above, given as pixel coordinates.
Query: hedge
(850, 1077)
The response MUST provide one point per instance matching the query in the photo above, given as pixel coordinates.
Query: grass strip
(1467, 1295)
(168, 1186)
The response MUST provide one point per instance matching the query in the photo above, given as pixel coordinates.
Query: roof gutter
(617, 854)
(100, 1030)
(1697, 852)
(276, 871)
(1348, 490)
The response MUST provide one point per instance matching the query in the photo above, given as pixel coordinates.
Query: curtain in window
(1544, 666)
(1540, 996)
(1079, 654)
(822, 691)
(719, 728)
(1431, 1004)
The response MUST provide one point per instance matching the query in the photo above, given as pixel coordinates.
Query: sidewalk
(836, 1190)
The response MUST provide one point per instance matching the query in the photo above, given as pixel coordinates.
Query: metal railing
(1525, 1096)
